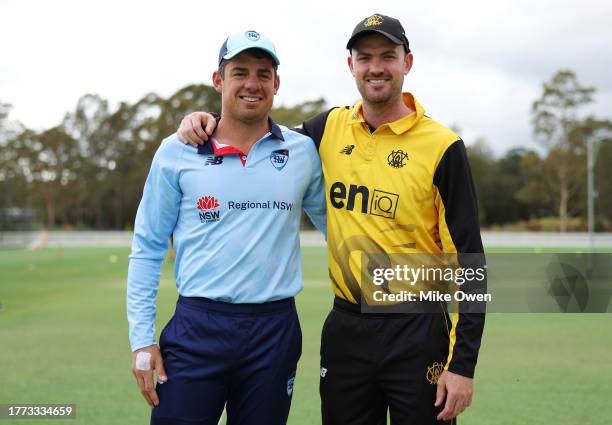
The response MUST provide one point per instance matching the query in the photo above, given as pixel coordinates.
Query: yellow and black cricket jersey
(404, 188)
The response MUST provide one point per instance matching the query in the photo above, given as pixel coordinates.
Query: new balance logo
(214, 160)
(348, 149)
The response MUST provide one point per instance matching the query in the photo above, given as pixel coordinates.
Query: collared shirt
(234, 220)
(404, 188)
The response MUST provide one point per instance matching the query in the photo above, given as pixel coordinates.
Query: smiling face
(247, 83)
(379, 67)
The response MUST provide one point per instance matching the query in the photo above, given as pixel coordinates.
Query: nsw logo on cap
(252, 35)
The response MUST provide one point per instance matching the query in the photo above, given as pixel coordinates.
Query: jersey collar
(209, 148)
(398, 127)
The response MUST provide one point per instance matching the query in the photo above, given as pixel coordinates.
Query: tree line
(547, 189)
(88, 172)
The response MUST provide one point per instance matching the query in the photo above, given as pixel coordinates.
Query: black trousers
(374, 363)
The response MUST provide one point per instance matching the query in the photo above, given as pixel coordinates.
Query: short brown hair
(256, 53)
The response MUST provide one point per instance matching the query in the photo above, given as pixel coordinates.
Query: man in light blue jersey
(233, 208)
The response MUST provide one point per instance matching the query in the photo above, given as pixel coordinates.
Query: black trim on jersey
(453, 179)
(275, 130)
(315, 126)
(206, 149)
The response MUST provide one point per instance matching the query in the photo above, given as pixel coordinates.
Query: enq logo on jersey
(382, 204)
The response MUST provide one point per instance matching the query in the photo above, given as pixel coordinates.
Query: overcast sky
(478, 64)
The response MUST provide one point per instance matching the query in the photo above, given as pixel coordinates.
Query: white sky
(478, 64)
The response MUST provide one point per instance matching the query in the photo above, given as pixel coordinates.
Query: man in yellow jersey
(396, 182)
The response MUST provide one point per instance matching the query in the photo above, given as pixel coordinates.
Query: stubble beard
(379, 102)
(250, 117)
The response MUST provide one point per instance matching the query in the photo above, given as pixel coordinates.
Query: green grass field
(63, 339)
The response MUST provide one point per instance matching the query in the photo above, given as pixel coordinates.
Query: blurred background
(89, 89)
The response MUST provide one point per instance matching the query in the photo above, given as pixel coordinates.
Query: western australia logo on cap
(373, 21)
(252, 35)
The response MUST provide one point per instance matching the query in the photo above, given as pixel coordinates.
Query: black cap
(381, 24)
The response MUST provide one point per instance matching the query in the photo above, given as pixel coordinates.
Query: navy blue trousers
(239, 356)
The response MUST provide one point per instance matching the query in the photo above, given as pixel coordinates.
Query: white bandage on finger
(143, 361)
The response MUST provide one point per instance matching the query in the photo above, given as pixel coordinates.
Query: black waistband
(206, 304)
(344, 305)
(398, 310)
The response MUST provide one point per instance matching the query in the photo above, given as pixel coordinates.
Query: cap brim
(237, 51)
(360, 34)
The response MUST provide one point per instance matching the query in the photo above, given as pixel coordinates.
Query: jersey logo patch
(396, 158)
(208, 207)
(279, 158)
(214, 160)
(433, 372)
(348, 149)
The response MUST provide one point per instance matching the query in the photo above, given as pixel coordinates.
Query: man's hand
(144, 361)
(196, 127)
(458, 392)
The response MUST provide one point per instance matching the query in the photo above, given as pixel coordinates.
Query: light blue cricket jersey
(234, 220)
